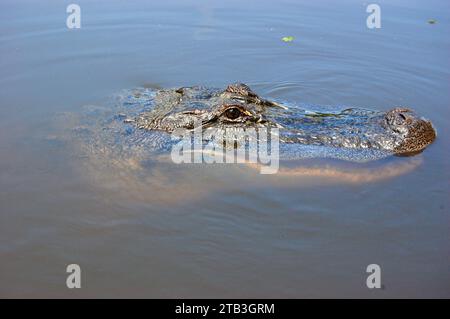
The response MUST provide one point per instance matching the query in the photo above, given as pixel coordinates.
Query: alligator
(399, 131)
(135, 137)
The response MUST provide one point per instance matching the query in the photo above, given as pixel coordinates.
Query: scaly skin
(398, 131)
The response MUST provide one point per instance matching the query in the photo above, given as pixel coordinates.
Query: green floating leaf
(432, 21)
(287, 39)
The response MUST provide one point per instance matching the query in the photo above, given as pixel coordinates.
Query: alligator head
(399, 131)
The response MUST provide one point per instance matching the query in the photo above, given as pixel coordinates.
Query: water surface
(219, 231)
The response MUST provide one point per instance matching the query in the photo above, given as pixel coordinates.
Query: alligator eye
(233, 113)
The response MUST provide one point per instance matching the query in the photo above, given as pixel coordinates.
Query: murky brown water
(220, 231)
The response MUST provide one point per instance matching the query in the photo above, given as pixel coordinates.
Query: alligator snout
(415, 133)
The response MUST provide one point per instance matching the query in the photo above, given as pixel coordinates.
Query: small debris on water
(287, 39)
(432, 21)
